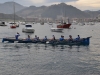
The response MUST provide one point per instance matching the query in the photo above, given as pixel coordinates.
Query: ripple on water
(40, 59)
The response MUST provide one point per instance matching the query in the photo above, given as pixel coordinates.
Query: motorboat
(13, 26)
(28, 29)
(2, 24)
(56, 29)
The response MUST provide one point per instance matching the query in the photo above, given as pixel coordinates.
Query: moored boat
(56, 29)
(13, 26)
(42, 23)
(64, 25)
(2, 24)
(28, 29)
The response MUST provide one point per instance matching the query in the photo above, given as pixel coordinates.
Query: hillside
(8, 7)
(93, 14)
(53, 11)
(9, 16)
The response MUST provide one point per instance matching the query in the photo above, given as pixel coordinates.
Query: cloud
(38, 1)
(80, 4)
(48, 2)
(86, 4)
(53, 1)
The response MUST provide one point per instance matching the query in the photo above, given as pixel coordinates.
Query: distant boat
(81, 23)
(28, 29)
(63, 22)
(42, 23)
(14, 25)
(64, 25)
(56, 29)
(91, 23)
(50, 23)
(2, 24)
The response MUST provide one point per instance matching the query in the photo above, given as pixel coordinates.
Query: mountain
(53, 11)
(93, 14)
(8, 7)
(31, 11)
(9, 16)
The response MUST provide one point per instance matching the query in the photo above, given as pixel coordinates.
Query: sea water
(40, 59)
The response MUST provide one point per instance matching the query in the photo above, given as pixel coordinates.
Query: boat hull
(28, 30)
(56, 29)
(13, 26)
(64, 26)
(84, 41)
(3, 25)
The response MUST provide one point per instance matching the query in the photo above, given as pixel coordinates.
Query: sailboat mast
(14, 10)
(63, 11)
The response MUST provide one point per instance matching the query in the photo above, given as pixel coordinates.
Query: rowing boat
(83, 41)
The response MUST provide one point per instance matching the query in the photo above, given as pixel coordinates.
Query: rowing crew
(46, 39)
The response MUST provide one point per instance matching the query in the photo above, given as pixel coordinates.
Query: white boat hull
(3, 25)
(28, 30)
(56, 29)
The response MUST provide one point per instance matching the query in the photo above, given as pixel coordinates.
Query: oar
(47, 42)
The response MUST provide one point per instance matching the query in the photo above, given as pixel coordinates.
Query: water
(39, 59)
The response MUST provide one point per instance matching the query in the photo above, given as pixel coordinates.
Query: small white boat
(2, 24)
(28, 29)
(50, 23)
(56, 29)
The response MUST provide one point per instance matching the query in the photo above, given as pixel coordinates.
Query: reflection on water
(42, 46)
(40, 59)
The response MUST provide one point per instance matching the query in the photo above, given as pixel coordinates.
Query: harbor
(49, 37)
(41, 59)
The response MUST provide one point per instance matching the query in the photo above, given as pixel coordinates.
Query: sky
(80, 4)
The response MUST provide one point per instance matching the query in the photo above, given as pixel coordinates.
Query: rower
(62, 38)
(45, 38)
(28, 39)
(78, 38)
(70, 38)
(53, 37)
(36, 38)
(17, 35)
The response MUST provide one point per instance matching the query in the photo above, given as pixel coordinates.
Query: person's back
(28, 39)
(17, 35)
(78, 38)
(36, 38)
(53, 37)
(62, 38)
(45, 39)
(70, 38)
